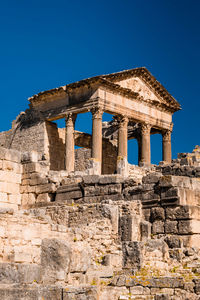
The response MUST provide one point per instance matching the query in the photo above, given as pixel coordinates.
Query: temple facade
(140, 106)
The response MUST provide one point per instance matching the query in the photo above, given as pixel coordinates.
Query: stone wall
(10, 179)
(98, 237)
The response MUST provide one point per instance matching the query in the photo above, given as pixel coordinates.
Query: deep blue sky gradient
(46, 44)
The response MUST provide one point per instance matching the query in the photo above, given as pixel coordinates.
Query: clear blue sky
(46, 44)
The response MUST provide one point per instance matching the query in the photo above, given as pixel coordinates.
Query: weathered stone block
(177, 213)
(157, 213)
(184, 227)
(80, 259)
(171, 227)
(45, 188)
(55, 259)
(69, 195)
(158, 227)
(31, 156)
(151, 178)
(145, 230)
(132, 255)
(19, 273)
(173, 241)
(110, 179)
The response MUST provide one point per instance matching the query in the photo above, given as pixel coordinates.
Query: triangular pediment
(136, 85)
(141, 81)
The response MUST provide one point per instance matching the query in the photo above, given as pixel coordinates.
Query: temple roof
(109, 81)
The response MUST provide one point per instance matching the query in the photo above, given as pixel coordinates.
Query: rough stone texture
(75, 235)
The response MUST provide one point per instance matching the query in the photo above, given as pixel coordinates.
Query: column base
(122, 166)
(144, 164)
(94, 167)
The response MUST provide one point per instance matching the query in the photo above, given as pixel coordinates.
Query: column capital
(70, 119)
(145, 128)
(166, 135)
(97, 112)
(122, 120)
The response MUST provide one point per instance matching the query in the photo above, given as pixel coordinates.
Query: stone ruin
(83, 223)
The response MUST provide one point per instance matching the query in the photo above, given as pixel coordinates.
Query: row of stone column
(143, 141)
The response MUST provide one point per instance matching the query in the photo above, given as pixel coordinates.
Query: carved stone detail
(122, 121)
(166, 136)
(145, 128)
(97, 112)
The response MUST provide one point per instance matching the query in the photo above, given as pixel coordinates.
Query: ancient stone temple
(141, 106)
(79, 224)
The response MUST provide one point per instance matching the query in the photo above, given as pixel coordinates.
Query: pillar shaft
(145, 146)
(69, 142)
(122, 163)
(166, 146)
(97, 134)
(122, 137)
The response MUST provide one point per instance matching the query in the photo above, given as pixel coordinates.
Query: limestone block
(189, 227)
(109, 179)
(22, 256)
(15, 199)
(191, 240)
(187, 197)
(171, 227)
(145, 230)
(112, 212)
(2, 231)
(28, 199)
(45, 197)
(11, 188)
(113, 260)
(12, 166)
(91, 179)
(31, 156)
(37, 180)
(45, 188)
(69, 196)
(139, 290)
(19, 273)
(173, 241)
(157, 213)
(55, 259)
(32, 167)
(3, 197)
(10, 177)
(80, 259)
(10, 154)
(152, 178)
(8, 206)
(158, 227)
(132, 255)
(129, 227)
(177, 213)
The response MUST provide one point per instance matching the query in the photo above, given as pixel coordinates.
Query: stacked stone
(36, 185)
(10, 178)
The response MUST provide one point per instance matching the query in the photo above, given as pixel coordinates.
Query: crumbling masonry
(83, 223)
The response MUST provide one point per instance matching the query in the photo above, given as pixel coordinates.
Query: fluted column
(69, 142)
(145, 146)
(122, 163)
(122, 136)
(97, 138)
(166, 146)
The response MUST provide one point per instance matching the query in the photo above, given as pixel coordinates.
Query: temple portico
(141, 106)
